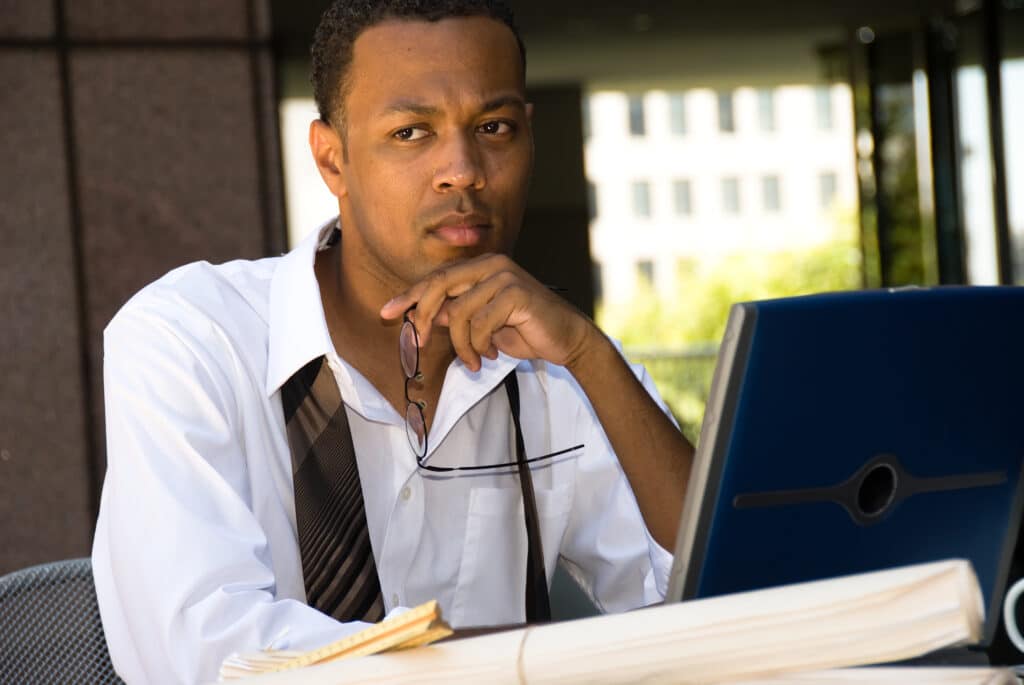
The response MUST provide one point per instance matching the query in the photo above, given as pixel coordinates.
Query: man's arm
(182, 565)
(490, 304)
(654, 454)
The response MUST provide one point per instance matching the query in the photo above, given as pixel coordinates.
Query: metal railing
(683, 376)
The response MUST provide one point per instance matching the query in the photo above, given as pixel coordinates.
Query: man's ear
(326, 146)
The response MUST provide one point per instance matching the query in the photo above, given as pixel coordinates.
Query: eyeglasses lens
(415, 429)
(408, 349)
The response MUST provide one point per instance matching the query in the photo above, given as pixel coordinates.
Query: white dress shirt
(196, 555)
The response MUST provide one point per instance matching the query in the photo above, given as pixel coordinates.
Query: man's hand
(490, 304)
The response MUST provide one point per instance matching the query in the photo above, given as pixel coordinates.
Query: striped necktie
(334, 542)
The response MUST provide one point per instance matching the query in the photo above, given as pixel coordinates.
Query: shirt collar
(298, 329)
(464, 388)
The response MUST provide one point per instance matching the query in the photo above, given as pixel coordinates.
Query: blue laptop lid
(859, 431)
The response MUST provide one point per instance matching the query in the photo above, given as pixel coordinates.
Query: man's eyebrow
(422, 110)
(504, 101)
(411, 107)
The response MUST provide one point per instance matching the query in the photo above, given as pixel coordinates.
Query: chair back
(50, 630)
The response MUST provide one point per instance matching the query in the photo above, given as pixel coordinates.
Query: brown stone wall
(138, 135)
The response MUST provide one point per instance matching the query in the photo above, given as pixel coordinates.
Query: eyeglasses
(415, 420)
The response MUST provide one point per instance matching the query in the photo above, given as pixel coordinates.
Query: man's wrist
(590, 353)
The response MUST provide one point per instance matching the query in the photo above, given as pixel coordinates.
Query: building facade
(677, 178)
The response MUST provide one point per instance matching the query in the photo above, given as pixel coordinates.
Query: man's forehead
(414, 60)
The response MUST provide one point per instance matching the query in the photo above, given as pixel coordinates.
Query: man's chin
(437, 254)
(449, 254)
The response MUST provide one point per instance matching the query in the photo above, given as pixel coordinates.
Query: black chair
(50, 630)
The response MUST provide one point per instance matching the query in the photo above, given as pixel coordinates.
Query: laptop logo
(873, 491)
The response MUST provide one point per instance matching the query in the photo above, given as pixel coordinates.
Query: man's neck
(352, 298)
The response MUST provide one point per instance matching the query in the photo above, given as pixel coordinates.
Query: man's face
(439, 145)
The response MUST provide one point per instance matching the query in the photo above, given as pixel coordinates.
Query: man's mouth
(461, 230)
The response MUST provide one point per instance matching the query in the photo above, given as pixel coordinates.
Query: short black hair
(344, 20)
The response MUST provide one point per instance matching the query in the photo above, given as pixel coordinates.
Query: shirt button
(394, 601)
(406, 492)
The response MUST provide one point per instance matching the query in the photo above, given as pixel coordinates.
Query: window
(645, 272)
(726, 119)
(642, 198)
(766, 110)
(823, 108)
(591, 199)
(677, 114)
(770, 193)
(827, 184)
(682, 197)
(731, 195)
(637, 126)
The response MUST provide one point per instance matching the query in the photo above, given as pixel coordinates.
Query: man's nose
(459, 166)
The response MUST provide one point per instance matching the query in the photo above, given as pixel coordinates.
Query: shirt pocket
(491, 587)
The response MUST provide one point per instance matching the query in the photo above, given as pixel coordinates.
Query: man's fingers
(473, 299)
(458, 332)
(434, 294)
(492, 317)
(458, 314)
(449, 281)
(456, 290)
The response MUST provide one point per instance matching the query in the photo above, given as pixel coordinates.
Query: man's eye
(410, 133)
(496, 128)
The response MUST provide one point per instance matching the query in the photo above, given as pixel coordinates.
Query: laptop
(851, 432)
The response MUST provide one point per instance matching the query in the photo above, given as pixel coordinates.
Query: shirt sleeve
(607, 548)
(182, 566)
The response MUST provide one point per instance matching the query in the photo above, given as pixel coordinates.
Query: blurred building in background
(682, 180)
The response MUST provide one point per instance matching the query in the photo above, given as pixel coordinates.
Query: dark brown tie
(334, 542)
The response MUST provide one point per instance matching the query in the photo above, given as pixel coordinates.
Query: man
(219, 382)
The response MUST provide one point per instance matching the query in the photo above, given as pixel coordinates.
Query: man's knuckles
(506, 278)
(436, 280)
(481, 327)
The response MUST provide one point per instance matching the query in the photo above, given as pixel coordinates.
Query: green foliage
(676, 338)
(698, 312)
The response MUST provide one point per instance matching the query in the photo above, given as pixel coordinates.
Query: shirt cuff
(656, 581)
